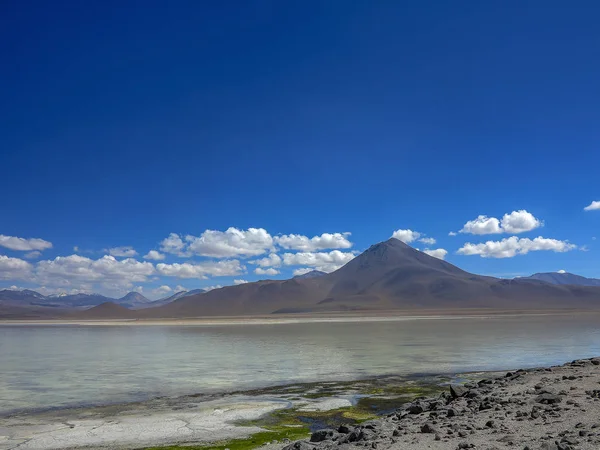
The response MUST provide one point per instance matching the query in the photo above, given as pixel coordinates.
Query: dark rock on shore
(554, 408)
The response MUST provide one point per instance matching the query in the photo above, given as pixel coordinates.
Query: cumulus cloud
(323, 242)
(438, 253)
(515, 222)
(122, 252)
(236, 282)
(232, 242)
(72, 270)
(269, 271)
(519, 222)
(482, 225)
(406, 236)
(24, 245)
(592, 206)
(14, 268)
(172, 244)
(211, 288)
(324, 261)
(273, 260)
(33, 255)
(162, 291)
(302, 271)
(562, 271)
(428, 240)
(201, 270)
(154, 255)
(452, 233)
(512, 246)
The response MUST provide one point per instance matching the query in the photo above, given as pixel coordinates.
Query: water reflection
(51, 366)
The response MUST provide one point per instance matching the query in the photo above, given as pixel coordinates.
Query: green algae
(249, 443)
(374, 398)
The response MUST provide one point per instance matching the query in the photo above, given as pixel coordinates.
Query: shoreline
(242, 416)
(276, 319)
(547, 408)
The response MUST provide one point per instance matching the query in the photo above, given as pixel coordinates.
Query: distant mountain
(132, 300)
(388, 276)
(107, 310)
(172, 298)
(311, 274)
(29, 298)
(23, 296)
(563, 278)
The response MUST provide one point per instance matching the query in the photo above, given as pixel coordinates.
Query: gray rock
(345, 429)
(323, 435)
(456, 390)
(415, 408)
(428, 428)
(300, 445)
(452, 412)
(548, 399)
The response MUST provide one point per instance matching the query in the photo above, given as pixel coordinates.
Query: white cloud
(236, 282)
(172, 244)
(122, 252)
(179, 288)
(210, 288)
(562, 271)
(302, 271)
(75, 249)
(482, 225)
(269, 271)
(74, 270)
(82, 289)
(232, 242)
(33, 255)
(138, 289)
(201, 270)
(24, 245)
(273, 260)
(14, 268)
(452, 233)
(161, 291)
(519, 222)
(512, 246)
(304, 243)
(514, 222)
(592, 206)
(324, 261)
(406, 236)
(428, 240)
(438, 253)
(154, 255)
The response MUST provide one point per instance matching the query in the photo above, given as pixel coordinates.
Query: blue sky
(125, 122)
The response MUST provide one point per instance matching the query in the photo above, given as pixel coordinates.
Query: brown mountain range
(390, 275)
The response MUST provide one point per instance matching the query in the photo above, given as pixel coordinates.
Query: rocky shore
(553, 408)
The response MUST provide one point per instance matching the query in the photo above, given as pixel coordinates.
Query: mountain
(132, 300)
(172, 298)
(25, 296)
(107, 310)
(28, 298)
(311, 274)
(390, 275)
(564, 278)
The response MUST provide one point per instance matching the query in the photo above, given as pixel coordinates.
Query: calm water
(57, 366)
